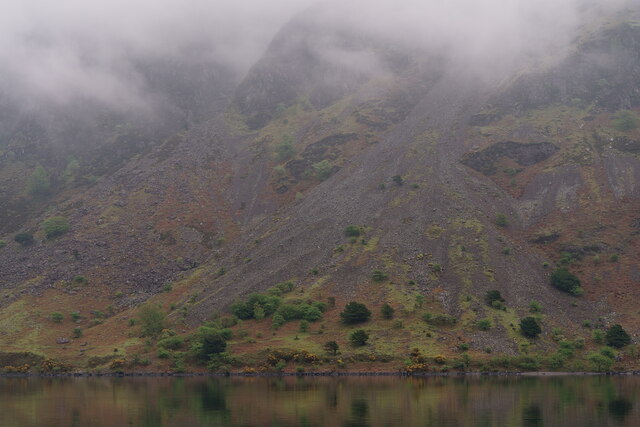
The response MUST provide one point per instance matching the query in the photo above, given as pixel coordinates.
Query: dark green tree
(39, 183)
(387, 311)
(24, 238)
(359, 337)
(617, 337)
(355, 312)
(492, 296)
(566, 281)
(529, 327)
(331, 347)
(152, 320)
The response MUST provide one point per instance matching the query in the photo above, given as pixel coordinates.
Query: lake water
(323, 401)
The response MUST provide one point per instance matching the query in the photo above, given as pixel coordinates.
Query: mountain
(344, 167)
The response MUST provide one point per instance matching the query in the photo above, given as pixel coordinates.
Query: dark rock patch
(524, 154)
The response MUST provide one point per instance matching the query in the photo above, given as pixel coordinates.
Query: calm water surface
(351, 401)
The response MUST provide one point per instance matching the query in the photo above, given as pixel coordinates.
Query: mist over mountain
(253, 165)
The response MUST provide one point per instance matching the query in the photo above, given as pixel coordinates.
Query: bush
(277, 321)
(529, 327)
(501, 220)
(355, 312)
(387, 311)
(379, 276)
(245, 309)
(397, 179)
(152, 320)
(352, 231)
(304, 326)
(77, 332)
(535, 307)
(171, 343)
(285, 149)
(600, 362)
(209, 341)
(492, 296)
(57, 317)
(322, 170)
(39, 183)
(566, 281)
(331, 347)
(626, 120)
(24, 238)
(483, 324)
(3, 243)
(55, 226)
(617, 337)
(359, 337)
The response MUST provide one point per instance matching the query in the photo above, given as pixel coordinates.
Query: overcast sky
(59, 49)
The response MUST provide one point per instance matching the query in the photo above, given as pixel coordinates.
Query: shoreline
(475, 374)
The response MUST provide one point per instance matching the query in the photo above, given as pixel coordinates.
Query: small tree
(529, 327)
(285, 149)
(493, 296)
(617, 337)
(331, 347)
(152, 320)
(55, 226)
(355, 312)
(24, 238)
(359, 337)
(38, 183)
(564, 280)
(208, 342)
(57, 317)
(352, 231)
(501, 220)
(379, 276)
(387, 311)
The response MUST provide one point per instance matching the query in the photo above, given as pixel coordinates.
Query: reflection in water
(289, 401)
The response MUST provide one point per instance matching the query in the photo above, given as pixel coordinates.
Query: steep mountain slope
(457, 183)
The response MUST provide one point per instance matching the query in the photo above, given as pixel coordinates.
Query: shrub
(2, 243)
(483, 324)
(277, 321)
(55, 226)
(304, 326)
(355, 312)
(245, 309)
(24, 238)
(492, 296)
(39, 183)
(439, 319)
(397, 179)
(77, 332)
(171, 343)
(379, 276)
(617, 337)
(387, 311)
(152, 320)
(529, 327)
(285, 149)
(535, 307)
(600, 362)
(352, 231)
(626, 120)
(359, 337)
(331, 347)
(598, 336)
(566, 281)
(501, 220)
(322, 170)
(209, 341)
